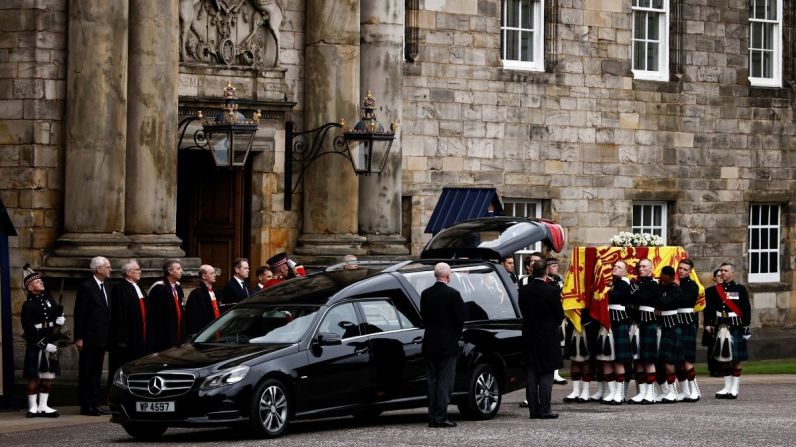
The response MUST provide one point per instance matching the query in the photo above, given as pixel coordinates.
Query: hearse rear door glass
(341, 320)
(382, 316)
(484, 296)
(493, 238)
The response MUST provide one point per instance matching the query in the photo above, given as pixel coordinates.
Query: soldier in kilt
(646, 296)
(686, 374)
(580, 351)
(615, 348)
(670, 352)
(40, 316)
(728, 316)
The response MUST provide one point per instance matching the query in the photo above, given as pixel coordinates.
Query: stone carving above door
(230, 33)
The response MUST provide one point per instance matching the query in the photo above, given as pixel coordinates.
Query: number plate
(154, 407)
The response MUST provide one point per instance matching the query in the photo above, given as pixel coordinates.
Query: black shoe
(445, 424)
(524, 404)
(31, 414)
(90, 412)
(535, 416)
(560, 382)
(548, 416)
(54, 414)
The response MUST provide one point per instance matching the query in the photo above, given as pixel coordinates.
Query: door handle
(360, 351)
(417, 340)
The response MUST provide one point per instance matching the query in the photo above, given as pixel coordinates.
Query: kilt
(35, 364)
(688, 336)
(621, 333)
(671, 348)
(587, 341)
(648, 346)
(737, 347)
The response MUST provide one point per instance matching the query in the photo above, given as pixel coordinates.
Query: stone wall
(32, 96)
(588, 139)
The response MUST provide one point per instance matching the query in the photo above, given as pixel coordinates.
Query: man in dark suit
(540, 304)
(237, 288)
(92, 335)
(202, 306)
(128, 320)
(264, 275)
(164, 314)
(442, 309)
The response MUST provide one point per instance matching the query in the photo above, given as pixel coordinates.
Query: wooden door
(213, 209)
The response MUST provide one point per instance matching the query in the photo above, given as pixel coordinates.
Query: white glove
(51, 348)
(60, 320)
(747, 333)
(291, 263)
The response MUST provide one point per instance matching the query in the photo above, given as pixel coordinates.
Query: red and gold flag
(588, 278)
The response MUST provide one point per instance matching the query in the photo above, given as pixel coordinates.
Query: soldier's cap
(277, 260)
(30, 278)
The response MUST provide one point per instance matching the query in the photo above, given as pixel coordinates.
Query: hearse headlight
(225, 377)
(120, 379)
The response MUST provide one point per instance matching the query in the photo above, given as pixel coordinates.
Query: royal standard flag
(588, 278)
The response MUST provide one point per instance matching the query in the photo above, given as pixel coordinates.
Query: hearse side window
(380, 316)
(485, 297)
(341, 320)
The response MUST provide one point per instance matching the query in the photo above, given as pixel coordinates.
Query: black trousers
(441, 371)
(538, 391)
(89, 377)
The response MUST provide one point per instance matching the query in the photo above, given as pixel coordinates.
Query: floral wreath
(626, 239)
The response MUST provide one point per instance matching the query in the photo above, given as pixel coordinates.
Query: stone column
(331, 189)
(151, 194)
(96, 120)
(381, 72)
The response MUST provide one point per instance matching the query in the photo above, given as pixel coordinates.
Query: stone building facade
(577, 134)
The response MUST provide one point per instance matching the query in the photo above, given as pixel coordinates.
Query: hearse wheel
(144, 431)
(483, 394)
(270, 413)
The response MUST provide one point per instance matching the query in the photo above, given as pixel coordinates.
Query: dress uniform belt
(646, 314)
(728, 319)
(669, 318)
(686, 315)
(618, 313)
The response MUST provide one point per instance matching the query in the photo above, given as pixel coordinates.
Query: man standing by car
(237, 288)
(202, 306)
(540, 304)
(128, 317)
(508, 264)
(92, 333)
(442, 310)
(165, 309)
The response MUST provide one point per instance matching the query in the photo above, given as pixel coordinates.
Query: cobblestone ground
(763, 416)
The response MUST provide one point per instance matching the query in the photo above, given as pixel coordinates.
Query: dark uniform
(164, 328)
(200, 309)
(730, 324)
(38, 330)
(688, 323)
(645, 296)
(671, 348)
(618, 298)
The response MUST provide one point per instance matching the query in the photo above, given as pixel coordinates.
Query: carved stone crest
(239, 33)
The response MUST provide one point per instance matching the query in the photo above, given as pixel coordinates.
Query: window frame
(776, 80)
(664, 226)
(538, 37)
(662, 74)
(768, 276)
(519, 255)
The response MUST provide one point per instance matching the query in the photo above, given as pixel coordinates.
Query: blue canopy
(458, 204)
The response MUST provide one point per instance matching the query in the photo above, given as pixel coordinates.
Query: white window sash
(776, 79)
(768, 276)
(537, 64)
(662, 74)
(518, 265)
(644, 228)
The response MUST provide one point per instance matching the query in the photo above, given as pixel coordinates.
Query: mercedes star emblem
(156, 385)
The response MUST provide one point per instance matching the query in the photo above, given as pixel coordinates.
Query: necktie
(177, 310)
(245, 290)
(102, 288)
(214, 302)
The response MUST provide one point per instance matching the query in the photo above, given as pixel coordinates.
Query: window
(765, 43)
(341, 320)
(523, 208)
(484, 295)
(651, 39)
(380, 316)
(764, 240)
(650, 217)
(522, 34)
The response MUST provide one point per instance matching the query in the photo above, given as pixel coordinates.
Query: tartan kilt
(648, 349)
(622, 350)
(738, 345)
(34, 364)
(590, 331)
(688, 336)
(671, 348)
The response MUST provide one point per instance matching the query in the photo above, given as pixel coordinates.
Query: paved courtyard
(762, 416)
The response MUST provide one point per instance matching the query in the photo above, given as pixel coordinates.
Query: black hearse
(340, 342)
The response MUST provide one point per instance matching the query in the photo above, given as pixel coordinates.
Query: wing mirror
(329, 339)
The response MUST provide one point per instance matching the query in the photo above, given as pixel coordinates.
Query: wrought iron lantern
(229, 136)
(366, 146)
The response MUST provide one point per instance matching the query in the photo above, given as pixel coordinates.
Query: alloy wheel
(273, 409)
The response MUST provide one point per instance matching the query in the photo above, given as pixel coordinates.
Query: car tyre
(271, 409)
(483, 394)
(144, 431)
